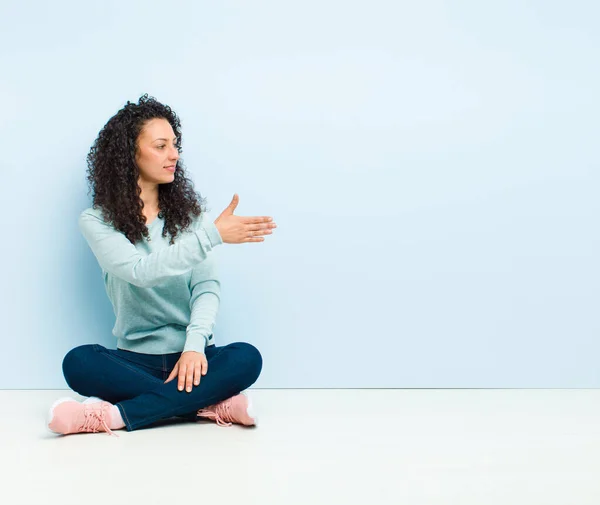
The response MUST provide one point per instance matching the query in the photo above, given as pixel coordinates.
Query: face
(157, 153)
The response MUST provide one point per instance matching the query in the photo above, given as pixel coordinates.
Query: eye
(160, 147)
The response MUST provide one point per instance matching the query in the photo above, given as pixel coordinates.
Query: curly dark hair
(113, 174)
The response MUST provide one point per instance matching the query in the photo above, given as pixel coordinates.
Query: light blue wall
(432, 166)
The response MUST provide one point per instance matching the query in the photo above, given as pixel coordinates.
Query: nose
(174, 155)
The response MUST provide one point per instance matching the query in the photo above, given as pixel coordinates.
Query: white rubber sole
(51, 411)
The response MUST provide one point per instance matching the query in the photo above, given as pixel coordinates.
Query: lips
(170, 168)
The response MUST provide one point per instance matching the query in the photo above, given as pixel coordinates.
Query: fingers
(258, 227)
(256, 220)
(197, 372)
(182, 374)
(255, 232)
(258, 233)
(189, 377)
(189, 373)
(173, 373)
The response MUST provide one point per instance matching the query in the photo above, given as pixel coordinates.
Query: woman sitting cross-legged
(150, 235)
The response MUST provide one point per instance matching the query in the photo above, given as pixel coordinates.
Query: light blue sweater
(165, 297)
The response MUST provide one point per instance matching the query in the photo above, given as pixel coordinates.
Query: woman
(149, 233)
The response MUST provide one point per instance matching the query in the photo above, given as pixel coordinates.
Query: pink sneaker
(237, 409)
(67, 415)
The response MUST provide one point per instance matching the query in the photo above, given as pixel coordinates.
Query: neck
(149, 195)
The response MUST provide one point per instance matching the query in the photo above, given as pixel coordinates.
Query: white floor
(413, 447)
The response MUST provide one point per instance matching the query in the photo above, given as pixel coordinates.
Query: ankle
(116, 420)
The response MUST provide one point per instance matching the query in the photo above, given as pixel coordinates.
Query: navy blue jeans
(134, 382)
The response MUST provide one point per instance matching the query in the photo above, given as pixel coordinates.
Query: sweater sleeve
(202, 321)
(118, 256)
(204, 305)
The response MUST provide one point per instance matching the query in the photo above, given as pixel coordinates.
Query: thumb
(173, 373)
(234, 203)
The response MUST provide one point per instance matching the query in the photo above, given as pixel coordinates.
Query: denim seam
(124, 415)
(157, 368)
(136, 370)
(217, 353)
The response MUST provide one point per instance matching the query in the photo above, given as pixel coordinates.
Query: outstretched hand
(238, 230)
(190, 366)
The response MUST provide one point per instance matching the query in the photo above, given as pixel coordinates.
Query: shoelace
(221, 414)
(94, 419)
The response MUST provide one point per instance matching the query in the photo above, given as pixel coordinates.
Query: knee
(74, 364)
(251, 358)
